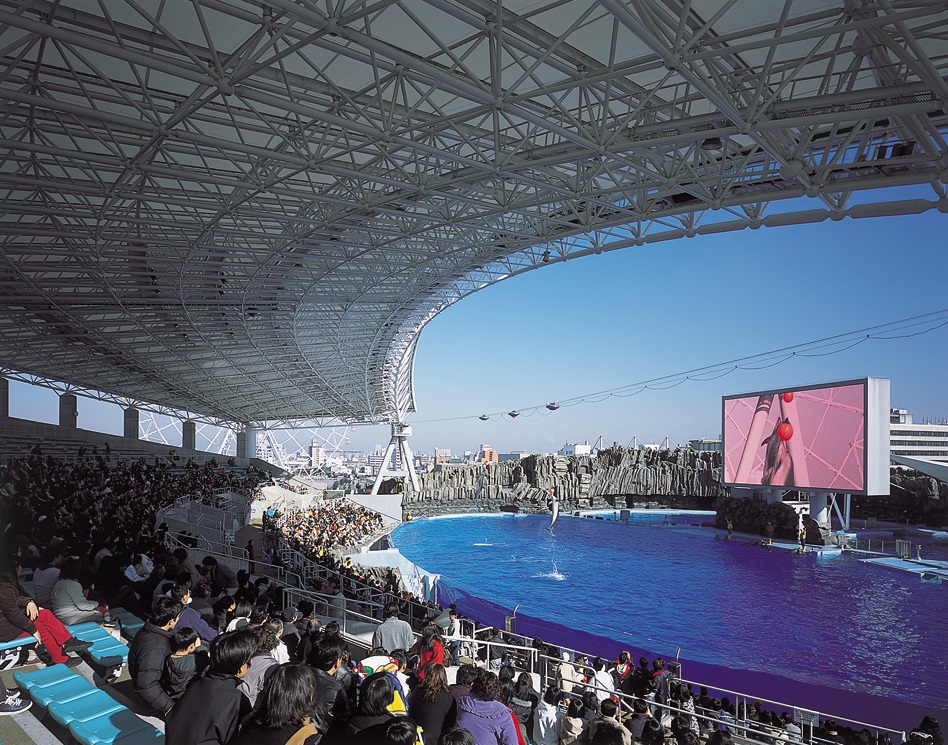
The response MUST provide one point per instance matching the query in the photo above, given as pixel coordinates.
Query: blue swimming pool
(824, 621)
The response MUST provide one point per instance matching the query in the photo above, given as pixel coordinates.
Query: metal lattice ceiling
(251, 210)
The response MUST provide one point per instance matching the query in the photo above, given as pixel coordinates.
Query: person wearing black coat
(332, 705)
(431, 704)
(212, 707)
(147, 653)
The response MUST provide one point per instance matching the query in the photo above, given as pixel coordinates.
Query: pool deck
(932, 570)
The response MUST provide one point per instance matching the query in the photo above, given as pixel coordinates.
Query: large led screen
(803, 438)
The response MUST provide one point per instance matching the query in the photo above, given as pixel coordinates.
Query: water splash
(556, 574)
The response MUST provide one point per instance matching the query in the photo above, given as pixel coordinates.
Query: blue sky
(605, 321)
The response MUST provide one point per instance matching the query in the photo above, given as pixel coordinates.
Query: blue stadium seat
(62, 692)
(94, 704)
(121, 726)
(10, 652)
(16, 643)
(29, 680)
(81, 630)
(130, 623)
(108, 653)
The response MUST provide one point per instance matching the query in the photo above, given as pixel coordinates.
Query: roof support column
(68, 411)
(4, 398)
(188, 435)
(130, 420)
(247, 443)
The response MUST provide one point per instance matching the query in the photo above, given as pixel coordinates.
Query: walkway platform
(930, 571)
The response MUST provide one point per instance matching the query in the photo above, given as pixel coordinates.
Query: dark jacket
(177, 673)
(332, 706)
(208, 712)
(13, 619)
(432, 716)
(361, 722)
(255, 734)
(146, 659)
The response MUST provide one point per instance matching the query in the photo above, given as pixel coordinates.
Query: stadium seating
(106, 651)
(11, 652)
(129, 623)
(92, 716)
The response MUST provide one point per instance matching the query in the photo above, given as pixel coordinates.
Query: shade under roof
(251, 210)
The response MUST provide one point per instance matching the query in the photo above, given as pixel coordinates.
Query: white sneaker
(14, 704)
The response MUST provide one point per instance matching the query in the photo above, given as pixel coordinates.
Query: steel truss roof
(252, 210)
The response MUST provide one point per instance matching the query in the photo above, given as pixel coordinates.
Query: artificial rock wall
(614, 478)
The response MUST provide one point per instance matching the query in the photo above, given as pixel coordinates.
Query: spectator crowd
(222, 658)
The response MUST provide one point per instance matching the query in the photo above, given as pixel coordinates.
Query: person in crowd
(201, 602)
(601, 682)
(430, 648)
(393, 633)
(241, 618)
(222, 579)
(138, 567)
(401, 673)
(375, 697)
(639, 719)
(110, 582)
(457, 736)
(285, 709)
(567, 674)
(608, 718)
(186, 564)
(607, 736)
(332, 705)
(546, 722)
(190, 618)
(21, 616)
(662, 676)
(212, 707)
(462, 681)
(496, 651)
(224, 608)
(524, 701)
(590, 706)
(623, 672)
(281, 653)
(683, 699)
(46, 574)
(642, 684)
(68, 600)
(147, 654)
(262, 663)
(182, 665)
(653, 733)
(484, 715)
(306, 610)
(291, 634)
(572, 723)
(431, 704)
(336, 602)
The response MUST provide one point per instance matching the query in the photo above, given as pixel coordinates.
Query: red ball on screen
(785, 431)
(787, 398)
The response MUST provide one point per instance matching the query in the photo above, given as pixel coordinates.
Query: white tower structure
(397, 446)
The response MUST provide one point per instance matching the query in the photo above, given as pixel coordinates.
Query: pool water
(830, 621)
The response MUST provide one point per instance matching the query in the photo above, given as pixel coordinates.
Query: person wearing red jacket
(430, 648)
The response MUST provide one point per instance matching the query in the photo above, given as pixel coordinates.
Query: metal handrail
(783, 704)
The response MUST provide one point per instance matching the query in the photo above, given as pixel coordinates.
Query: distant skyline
(606, 321)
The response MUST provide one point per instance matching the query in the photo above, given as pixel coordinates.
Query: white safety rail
(808, 719)
(239, 562)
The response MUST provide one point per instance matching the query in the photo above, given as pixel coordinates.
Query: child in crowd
(183, 664)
